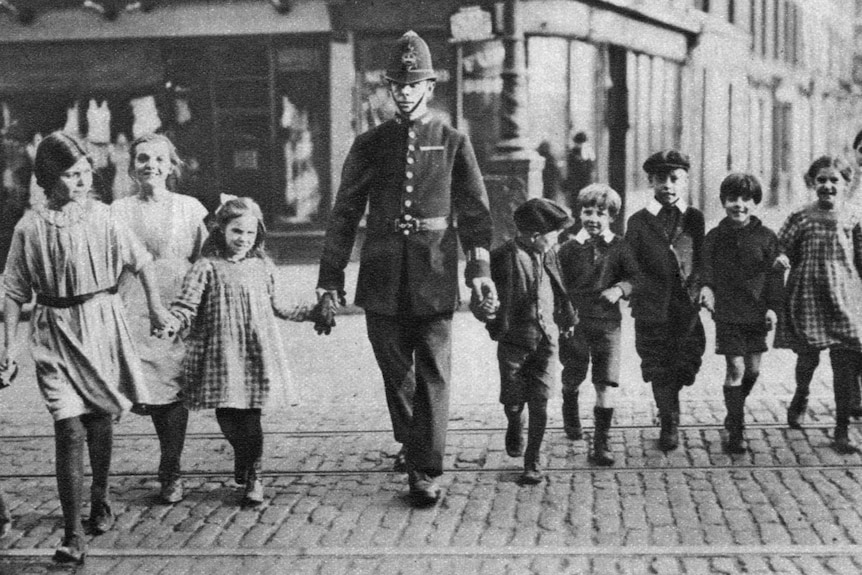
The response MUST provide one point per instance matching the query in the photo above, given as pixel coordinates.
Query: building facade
(264, 97)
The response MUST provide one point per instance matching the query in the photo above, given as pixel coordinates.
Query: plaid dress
(824, 291)
(234, 352)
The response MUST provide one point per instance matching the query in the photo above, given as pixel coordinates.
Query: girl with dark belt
(71, 253)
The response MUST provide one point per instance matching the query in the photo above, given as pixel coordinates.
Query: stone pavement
(791, 505)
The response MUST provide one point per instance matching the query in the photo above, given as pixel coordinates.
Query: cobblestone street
(791, 505)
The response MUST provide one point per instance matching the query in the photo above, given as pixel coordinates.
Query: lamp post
(514, 170)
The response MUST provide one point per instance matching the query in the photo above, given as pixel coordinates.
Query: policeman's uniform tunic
(424, 191)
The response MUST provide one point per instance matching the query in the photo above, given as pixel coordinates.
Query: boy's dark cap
(538, 215)
(666, 161)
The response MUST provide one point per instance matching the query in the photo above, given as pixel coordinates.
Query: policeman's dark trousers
(671, 352)
(414, 354)
(69, 436)
(242, 429)
(170, 421)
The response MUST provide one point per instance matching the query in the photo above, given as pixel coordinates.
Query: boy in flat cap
(416, 176)
(531, 299)
(667, 239)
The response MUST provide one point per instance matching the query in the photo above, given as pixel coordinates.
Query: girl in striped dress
(235, 361)
(821, 245)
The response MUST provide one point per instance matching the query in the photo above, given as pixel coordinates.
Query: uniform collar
(654, 206)
(423, 119)
(583, 235)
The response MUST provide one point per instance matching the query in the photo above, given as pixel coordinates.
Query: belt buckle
(406, 226)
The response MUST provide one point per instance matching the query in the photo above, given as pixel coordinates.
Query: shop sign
(471, 24)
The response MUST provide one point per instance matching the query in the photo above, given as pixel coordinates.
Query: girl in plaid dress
(821, 245)
(235, 361)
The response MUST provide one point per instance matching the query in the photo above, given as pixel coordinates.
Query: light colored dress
(85, 357)
(235, 353)
(824, 290)
(172, 230)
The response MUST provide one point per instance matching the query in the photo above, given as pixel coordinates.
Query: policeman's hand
(707, 299)
(771, 319)
(8, 371)
(612, 295)
(782, 262)
(323, 313)
(484, 309)
(338, 299)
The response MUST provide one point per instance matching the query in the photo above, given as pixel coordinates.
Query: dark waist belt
(71, 301)
(407, 225)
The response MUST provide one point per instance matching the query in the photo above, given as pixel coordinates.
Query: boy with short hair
(667, 240)
(598, 271)
(531, 299)
(743, 292)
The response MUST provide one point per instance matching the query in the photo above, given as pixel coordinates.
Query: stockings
(242, 429)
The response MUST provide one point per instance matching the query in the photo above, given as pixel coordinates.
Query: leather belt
(407, 224)
(71, 301)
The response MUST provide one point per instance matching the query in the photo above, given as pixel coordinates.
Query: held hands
(612, 295)
(323, 313)
(782, 262)
(8, 369)
(707, 299)
(483, 299)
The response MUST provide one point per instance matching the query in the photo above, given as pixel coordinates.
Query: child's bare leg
(734, 401)
(752, 372)
(806, 363)
(603, 413)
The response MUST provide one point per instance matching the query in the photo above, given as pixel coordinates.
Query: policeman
(422, 186)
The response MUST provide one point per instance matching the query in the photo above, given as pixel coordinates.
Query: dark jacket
(516, 321)
(737, 265)
(445, 181)
(586, 276)
(665, 263)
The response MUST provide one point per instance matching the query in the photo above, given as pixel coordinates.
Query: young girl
(821, 244)
(70, 252)
(235, 360)
(171, 227)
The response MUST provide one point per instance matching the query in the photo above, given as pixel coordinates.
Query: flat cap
(665, 161)
(538, 215)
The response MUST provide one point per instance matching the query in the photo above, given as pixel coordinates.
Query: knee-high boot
(514, 430)
(845, 365)
(538, 409)
(805, 366)
(748, 382)
(602, 454)
(667, 400)
(69, 437)
(734, 401)
(100, 444)
(252, 439)
(571, 416)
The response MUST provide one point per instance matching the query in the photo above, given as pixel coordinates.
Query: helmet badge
(409, 58)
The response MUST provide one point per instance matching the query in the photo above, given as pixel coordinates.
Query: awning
(171, 20)
(80, 68)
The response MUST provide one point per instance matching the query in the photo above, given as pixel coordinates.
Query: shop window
(481, 64)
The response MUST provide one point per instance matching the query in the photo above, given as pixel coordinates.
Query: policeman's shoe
(400, 463)
(424, 491)
(172, 491)
(101, 518)
(668, 438)
(532, 474)
(841, 441)
(515, 431)
(72, 550)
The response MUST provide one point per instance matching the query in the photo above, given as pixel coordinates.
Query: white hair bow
(223, 199)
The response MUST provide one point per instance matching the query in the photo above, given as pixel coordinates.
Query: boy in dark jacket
(667, 238)
(743, 291)
(531, 299)
(598, 271)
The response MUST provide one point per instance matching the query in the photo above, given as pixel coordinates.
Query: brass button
(409, 175)
(408, 189)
